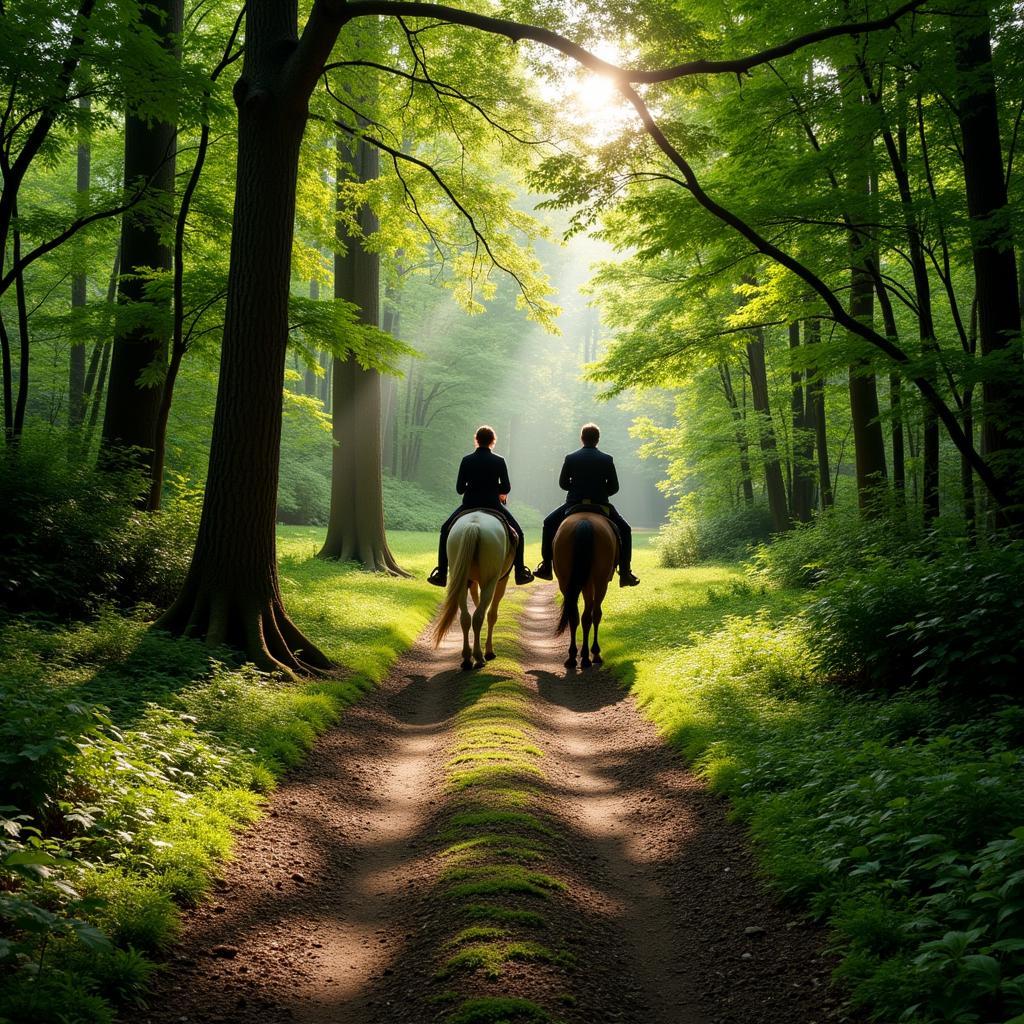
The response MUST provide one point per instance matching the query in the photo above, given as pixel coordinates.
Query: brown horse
(586, 549)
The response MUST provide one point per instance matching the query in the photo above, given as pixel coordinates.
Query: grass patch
(131, 759)
(490, 958)
(895, 817)
(506, 915)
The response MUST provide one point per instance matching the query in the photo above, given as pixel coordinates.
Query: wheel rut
(604, 881)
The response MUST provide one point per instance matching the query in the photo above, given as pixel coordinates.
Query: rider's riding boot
(543, 571)
(523, 576)
(439, 577)
(627, 579)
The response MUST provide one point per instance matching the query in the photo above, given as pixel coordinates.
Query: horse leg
(595, 650)
(474, 589)
(574, 621)
(486, 595)
(464, 620)
(587, 620)
(492, 618)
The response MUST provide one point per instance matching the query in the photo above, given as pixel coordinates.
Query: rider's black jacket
(588, 475)
(482, 477)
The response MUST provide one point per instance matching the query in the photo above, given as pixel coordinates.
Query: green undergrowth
(892, 814)
(128, 759)
(495, 846)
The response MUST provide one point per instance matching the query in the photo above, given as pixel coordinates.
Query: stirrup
(438, 578)
(543, 571)
(523, 576)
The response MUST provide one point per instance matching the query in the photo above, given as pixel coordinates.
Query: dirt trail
(337, 907)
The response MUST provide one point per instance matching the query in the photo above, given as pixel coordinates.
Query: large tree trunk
(232, 594)
(133, 407)
(995, 273)
(802, 490)
(76, 357)
(355, 527)
(775, 487)
(868, 438)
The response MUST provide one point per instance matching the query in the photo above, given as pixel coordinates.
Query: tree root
(260, 630)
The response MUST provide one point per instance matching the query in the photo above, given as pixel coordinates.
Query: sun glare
(591, 103)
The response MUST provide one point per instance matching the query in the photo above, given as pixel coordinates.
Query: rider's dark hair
(590, 435)
(485, 436)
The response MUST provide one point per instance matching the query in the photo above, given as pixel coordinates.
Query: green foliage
(893, 817)
(72, 536)
(694, 536)
(839, 540)
(131, 759)
(953, 622)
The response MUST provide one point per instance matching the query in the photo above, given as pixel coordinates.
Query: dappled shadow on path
(660, 888)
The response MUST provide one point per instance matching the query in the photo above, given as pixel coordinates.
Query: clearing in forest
(510, 844)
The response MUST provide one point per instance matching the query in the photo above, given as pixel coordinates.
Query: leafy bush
(72, 536)
(834, 542)
(726, 534)
(955, 621)
(304, 492)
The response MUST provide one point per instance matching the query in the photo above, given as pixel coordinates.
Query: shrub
(954, 621)
(73, 537)
(724, 534)
(836, 541)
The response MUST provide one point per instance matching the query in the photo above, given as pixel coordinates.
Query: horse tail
(582, 562)
(458, 577)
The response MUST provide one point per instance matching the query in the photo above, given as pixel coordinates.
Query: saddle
(510, 533)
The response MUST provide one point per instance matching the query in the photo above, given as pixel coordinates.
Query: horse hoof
(466, 666)
(584, 663)
(569, 663)
(491, 656)
(479, 663)
(598, 660)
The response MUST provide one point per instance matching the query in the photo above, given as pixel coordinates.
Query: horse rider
(483, 483)
(589, 477)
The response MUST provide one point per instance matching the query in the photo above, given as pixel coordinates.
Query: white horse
(480, 558)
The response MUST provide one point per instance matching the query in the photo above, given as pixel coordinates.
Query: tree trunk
(133, 406)
(995, 273)
(355, 526)
(803, 440)
(774, 485)
(742, 443)
(868, 439)
(76, 357)
(309, 381)
(816, 415)
(231, 594)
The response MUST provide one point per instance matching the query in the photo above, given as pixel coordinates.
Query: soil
(334, 908)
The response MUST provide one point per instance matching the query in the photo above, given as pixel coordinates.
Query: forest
(265, 268)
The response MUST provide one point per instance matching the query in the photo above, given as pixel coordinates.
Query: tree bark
(803, 439)
(76, 357)
(133, 408)
(742, 442)
(816, 415)
(355, 526)
(232, 594)
(775, 487)
(995, 272)
(868, 439)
